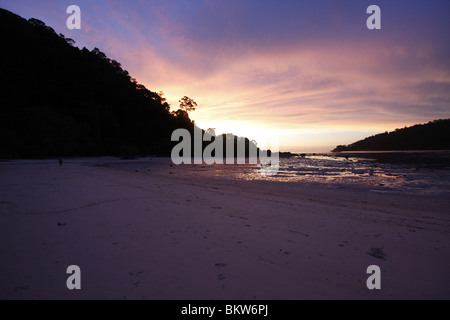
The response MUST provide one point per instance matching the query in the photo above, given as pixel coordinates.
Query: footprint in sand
(377, 253)
(221, 276)
(220, 265)
(135, 275)
(343, 244)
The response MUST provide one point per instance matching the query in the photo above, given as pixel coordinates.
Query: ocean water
(378, 176)
(411, 176)
(429, 174)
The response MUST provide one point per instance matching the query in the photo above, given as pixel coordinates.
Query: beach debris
(61, 224)
(377, 253)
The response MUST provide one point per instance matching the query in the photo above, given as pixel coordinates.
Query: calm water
(365, 172)
(377, 175)
(425, 173)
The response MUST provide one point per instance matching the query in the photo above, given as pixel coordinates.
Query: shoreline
(156, 235)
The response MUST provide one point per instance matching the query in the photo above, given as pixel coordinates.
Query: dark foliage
(431, 136)
(58, 100)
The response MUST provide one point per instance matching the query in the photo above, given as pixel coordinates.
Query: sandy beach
(164, 234)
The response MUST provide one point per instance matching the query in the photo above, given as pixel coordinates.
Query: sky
(308, 75)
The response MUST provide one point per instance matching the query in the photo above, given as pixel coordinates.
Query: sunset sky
(308, 71)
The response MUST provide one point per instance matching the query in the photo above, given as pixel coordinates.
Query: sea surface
(410, 173)
(417, 173)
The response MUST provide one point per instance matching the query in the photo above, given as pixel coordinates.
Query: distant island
(433, 135)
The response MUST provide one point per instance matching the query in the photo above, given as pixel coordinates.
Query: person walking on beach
(60, 162)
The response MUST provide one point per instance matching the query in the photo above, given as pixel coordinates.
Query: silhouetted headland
(431, 136)
(58, 100)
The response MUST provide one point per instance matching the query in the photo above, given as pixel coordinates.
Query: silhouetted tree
(187, 104)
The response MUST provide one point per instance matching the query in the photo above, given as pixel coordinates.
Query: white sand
(164, 236)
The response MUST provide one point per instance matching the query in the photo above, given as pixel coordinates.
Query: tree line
(430, 136)
(58, 100)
